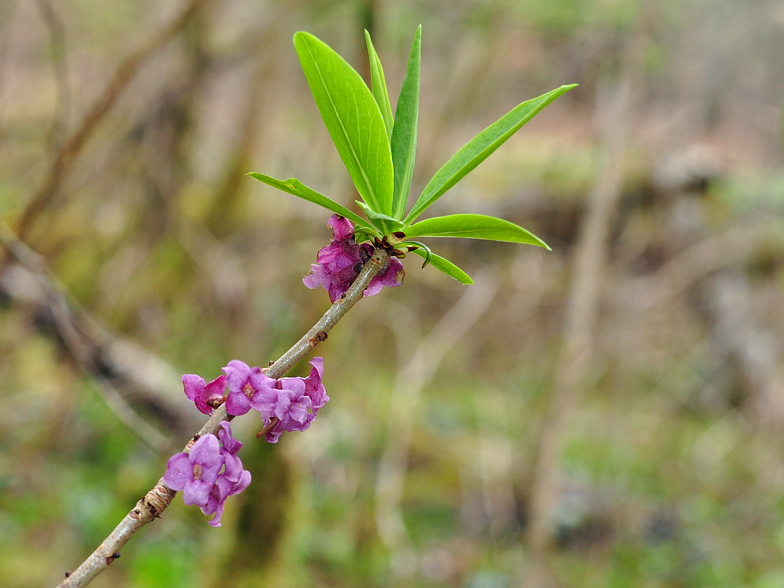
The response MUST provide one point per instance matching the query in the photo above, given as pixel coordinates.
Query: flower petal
(179, 471)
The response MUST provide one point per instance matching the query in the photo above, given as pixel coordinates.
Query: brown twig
(158, 499)
(54, 25)
(71, 146)
(573, 361)
(94, 351)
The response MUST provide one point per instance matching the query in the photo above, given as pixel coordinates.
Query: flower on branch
(313, 386)
(292, 410)
(233, 480)
(209, 474)
(248, 388)
(204, 394)
(195, 473)
(339, 263)
(297, 402)
(212, 471)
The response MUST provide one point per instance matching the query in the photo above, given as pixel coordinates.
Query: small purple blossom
(296, 412)
(196, 472)
(391, 276)
(313, 386)
(232, 480)
(339, 263)
(230, 445)
(203, 394)
(248, 388)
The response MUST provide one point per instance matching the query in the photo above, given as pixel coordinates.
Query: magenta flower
(293, 409)
(232, 480)
(203, 394)
(339, 263)
(248, 388)
(391, 276)
(222, 489)
(313, 386)
(195, 473)
(230, 445)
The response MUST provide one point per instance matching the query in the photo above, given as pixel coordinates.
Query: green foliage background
(673, 471)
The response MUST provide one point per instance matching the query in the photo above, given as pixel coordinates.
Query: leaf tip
(540, 243)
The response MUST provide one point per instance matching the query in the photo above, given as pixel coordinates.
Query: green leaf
(297, 188)
(352, 118)
(385, 223)
(379, 86)
(446, 266)
(479, 148)
(473, 226)
(404, 132)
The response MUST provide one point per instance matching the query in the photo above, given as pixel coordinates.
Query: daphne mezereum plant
(378, 150)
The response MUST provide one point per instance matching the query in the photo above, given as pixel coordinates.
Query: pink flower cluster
(285, 404)
(339, 263)
(209, 473)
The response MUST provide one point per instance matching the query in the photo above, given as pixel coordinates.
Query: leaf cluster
(379, 150)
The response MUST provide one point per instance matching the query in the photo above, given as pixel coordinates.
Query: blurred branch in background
(57, 50)
(574, 357)
(69, 149)
(125, 373)
(687, 267)
(410, 380)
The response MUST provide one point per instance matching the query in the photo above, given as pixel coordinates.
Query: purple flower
(195, 473)
(248, 388)
(222, 489)
(391, 276)
(232, 480)
(339, 263)
(202, 394)
(313, 386)
(230, 445)
(293, 408)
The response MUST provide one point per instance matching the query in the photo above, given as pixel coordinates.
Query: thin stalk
(159, 498)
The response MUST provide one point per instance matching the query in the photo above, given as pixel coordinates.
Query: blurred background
(608, 414)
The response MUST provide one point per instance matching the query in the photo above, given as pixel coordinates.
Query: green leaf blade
(446, 266)
(404, 131)
(353, 119)
(479, 148)
(383, 222)
(473, 226)
(378, 86)
(295, 187)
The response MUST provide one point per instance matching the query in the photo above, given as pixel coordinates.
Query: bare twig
(71, 146)
(90, 347)
(577, 346)
(158, 499)
(697, 262)
(54, 24)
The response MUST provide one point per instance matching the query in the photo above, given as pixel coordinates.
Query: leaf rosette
(379, 151)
